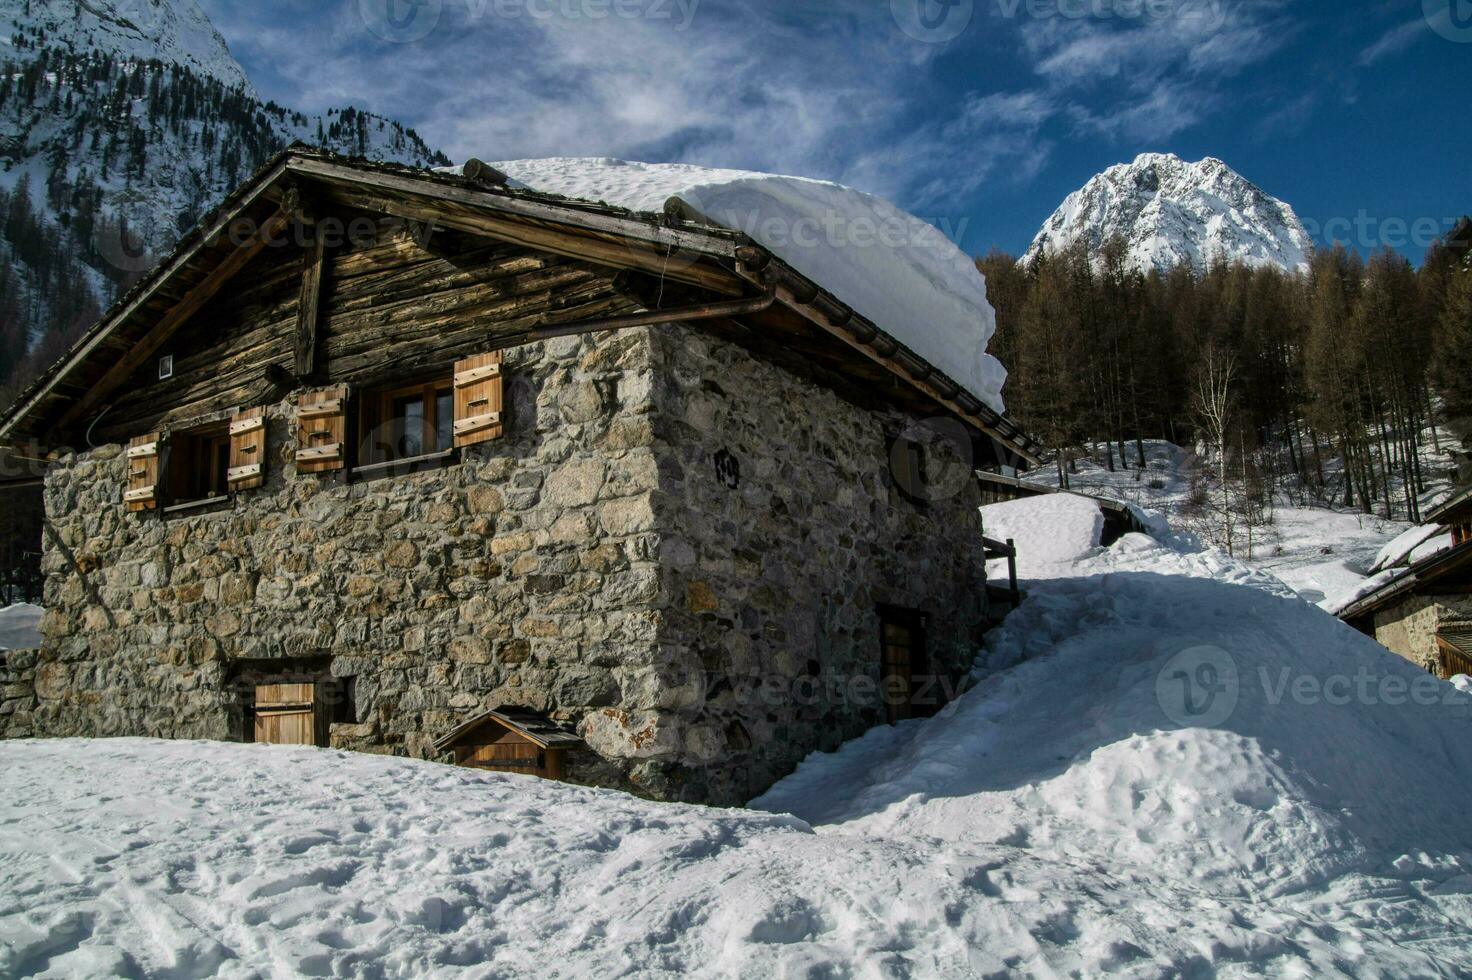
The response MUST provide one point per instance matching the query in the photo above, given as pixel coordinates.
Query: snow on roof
(1400, 547)
(900, 272)
(1049, 530)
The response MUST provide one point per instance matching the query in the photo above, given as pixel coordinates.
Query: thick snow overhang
(1417, 579)
(805, 320)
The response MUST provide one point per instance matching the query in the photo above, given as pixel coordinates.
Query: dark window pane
(444, 420)
(409, 426)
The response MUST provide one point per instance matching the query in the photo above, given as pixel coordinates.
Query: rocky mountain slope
(121, 123)
(1170, 211)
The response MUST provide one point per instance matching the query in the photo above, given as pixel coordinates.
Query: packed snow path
(1056, 820)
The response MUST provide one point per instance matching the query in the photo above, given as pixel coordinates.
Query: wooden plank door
(286, 714)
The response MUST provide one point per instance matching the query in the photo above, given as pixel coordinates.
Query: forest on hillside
(1268, 373)
(104, 156)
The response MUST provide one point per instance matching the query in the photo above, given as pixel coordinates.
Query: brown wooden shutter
(321, 431)
(247, 450)
(142, 458)
(478, 415)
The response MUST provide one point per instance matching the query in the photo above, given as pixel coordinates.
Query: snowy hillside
(1078, 812)
(172, 31)
(900, 272)
(1170, 212)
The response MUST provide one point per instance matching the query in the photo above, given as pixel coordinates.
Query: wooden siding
(389, 308)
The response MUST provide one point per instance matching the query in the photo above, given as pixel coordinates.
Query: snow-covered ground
(20, 627)
(1323, 553)
(1157, 774)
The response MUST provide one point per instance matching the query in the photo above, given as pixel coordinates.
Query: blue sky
(984, 113)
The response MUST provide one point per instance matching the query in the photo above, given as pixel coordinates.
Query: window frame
(188, 482)
(375, 407)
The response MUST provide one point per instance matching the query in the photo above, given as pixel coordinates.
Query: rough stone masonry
(679, 550)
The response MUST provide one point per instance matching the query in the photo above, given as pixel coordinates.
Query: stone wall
(525, 575)
(678, 548)
(17, 692)
(782, 533)
(1408, 629)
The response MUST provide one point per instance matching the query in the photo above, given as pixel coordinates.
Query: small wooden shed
(511, 740)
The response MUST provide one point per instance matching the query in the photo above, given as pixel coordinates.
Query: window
(406, 422)
(199, 464)
(907, 469)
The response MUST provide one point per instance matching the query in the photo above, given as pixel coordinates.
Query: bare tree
(1212, 401)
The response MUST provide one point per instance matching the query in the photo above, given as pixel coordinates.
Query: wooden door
(897, 670)
(286, 714)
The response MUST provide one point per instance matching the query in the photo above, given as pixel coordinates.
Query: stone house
(377, 450)
(1422, 611)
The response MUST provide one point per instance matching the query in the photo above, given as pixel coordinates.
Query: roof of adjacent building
(1409, 581)
(1459, 504)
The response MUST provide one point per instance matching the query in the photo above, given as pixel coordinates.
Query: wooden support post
(308, 313)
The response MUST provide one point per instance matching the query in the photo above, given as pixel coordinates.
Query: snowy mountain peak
(1171, 211)
(173, 31)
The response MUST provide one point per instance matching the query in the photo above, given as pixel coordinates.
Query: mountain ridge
(1170, 211)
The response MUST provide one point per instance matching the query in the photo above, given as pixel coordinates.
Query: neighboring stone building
(1421, 606)
(627, 474)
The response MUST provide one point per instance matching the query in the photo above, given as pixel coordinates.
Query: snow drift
(20, 626)
(1064, 816)
(902, 273)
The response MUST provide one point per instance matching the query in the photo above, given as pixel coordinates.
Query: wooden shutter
(247, 450)
(142, 458)
(321, 430)
(478, 399)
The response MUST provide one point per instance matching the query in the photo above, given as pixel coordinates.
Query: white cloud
(1393, 41)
